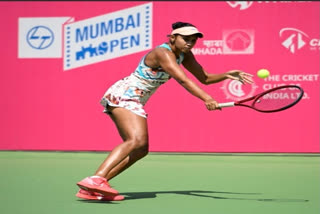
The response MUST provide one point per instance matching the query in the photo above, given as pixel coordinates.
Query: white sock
(96, 176)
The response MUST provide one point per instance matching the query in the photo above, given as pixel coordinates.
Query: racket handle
(223, 105)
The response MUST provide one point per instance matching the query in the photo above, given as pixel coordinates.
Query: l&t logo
(40, 37)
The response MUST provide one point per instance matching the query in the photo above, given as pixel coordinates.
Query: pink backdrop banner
(59, 58)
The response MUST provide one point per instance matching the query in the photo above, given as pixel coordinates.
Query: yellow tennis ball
(263, 73)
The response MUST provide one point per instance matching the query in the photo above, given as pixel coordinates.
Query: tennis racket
(273, 100)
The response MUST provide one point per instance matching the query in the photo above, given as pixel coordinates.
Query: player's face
(185, 43)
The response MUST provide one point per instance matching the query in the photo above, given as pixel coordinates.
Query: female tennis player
(124, 102)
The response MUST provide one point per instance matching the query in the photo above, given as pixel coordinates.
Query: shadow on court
(200, 193)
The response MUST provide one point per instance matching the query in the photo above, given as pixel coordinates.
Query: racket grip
(229, 104)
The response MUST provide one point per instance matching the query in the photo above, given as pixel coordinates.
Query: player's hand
(211, 104)
(240, 76)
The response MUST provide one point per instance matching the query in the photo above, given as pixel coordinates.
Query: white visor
(187, 31)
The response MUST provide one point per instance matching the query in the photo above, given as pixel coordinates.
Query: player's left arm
(191, 64)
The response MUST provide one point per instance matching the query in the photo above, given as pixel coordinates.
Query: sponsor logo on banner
(235, 90)
(302, 80)
(237, 41)
(294, 40)
(108, 36)
(40, 37)
(244, 5)
(88, 41)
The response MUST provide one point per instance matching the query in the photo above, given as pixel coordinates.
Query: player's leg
(126, 163)
(134, 132)
(133, 129)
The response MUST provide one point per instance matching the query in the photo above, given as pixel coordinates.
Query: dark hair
(177, 25)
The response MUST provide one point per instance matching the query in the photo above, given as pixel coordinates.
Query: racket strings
(278, 99)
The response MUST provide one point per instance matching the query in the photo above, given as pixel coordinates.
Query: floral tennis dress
(133, 92)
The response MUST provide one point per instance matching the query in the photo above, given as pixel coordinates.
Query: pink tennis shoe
(97, 184)
(84, 194)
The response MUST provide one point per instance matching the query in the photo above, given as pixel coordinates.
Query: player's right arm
(167, 61)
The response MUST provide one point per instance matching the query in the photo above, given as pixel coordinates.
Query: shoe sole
(92, 188)
(99, 198)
